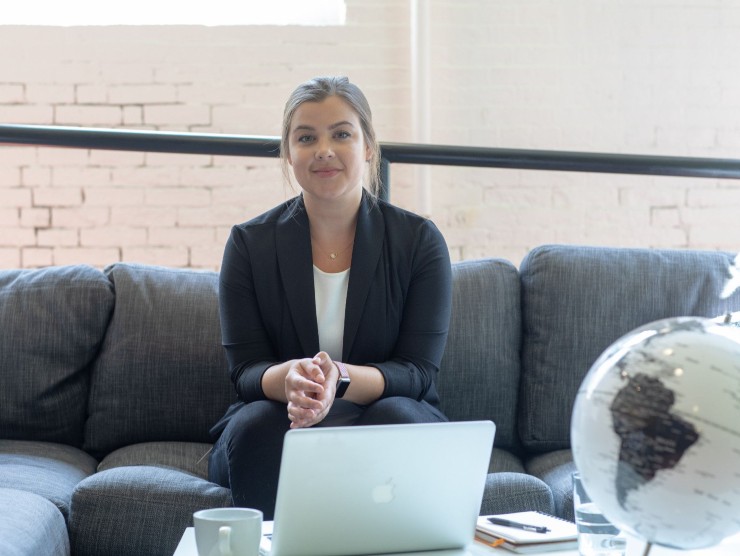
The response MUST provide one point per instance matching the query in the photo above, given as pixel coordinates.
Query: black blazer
(398, 299)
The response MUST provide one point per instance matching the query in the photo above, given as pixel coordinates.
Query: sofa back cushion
(576, 301)
(479, 375)
(161, 374)
(52, 322)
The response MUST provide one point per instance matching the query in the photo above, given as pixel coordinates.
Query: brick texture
(637, 76)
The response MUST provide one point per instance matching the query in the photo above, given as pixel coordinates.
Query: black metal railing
(398, 153)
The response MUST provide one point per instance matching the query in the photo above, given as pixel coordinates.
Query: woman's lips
(326, 172)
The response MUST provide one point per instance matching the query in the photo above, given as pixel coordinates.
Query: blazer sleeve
(412, 370)
(249, 351)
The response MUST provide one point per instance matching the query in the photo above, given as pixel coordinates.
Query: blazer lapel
(365, 256)
(293, 243)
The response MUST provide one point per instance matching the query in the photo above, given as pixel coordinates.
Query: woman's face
(327, 149)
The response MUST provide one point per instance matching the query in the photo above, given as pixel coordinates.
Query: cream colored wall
(646, 77)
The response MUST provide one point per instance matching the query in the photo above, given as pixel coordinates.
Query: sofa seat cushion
(576, 301)
(191, 457)
(154, 504)
(44, 468)
(504, 461)
(161, 374)
(52, 321)
(479, 373)
(515, 492)
(30, 525)
(555, 469)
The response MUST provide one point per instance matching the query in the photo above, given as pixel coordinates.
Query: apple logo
(383, 494)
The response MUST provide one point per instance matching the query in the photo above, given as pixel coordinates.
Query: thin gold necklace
(333, 255)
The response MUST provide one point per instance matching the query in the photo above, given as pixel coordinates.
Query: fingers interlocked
(309, 391)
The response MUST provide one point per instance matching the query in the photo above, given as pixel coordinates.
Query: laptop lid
(380, 489)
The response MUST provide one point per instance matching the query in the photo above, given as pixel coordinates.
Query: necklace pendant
(332, 256)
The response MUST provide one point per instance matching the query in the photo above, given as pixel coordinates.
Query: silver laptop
(380, 489)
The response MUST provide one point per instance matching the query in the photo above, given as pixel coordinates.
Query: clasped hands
(310, 386)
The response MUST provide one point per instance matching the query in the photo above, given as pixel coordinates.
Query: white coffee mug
(228, 531)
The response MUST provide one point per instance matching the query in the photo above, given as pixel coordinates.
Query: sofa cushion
(46, 469)
(576, 301)
(503, 461)
(191, 457)
(30, 525)
(53, 321)
(155, 504)
(479, 374)
(556, 469)
(515, 492)
(161, 374)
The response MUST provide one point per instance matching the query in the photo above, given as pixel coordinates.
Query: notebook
(560, 535)
(380, 489)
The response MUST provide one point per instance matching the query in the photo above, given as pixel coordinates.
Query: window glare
(165, 12)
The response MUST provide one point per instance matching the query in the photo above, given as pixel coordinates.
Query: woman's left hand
(301, 418)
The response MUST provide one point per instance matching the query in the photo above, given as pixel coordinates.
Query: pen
(524, 526)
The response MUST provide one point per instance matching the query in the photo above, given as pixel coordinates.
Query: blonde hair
(318, 89)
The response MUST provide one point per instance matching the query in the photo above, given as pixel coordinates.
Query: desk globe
(656, 432)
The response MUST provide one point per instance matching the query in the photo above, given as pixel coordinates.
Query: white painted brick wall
(57, 196)
(35, 218)
(636, 76)
(33, 257)
(9, 219)
(10, 257)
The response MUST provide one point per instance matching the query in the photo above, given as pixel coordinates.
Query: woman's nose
(324, 151)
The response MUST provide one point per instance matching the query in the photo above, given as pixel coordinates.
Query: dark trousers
(246, 457)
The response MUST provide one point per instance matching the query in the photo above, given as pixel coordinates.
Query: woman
(334, 306)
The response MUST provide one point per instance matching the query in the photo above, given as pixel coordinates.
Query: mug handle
(224, 541)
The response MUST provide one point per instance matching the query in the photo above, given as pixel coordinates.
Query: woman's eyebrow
(339, 124)
(305, 127)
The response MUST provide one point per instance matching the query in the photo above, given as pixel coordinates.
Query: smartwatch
(343, 380)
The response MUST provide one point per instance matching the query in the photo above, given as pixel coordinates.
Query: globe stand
(648, 546)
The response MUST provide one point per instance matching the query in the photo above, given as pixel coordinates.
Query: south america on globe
(652, 438)
(655, 432)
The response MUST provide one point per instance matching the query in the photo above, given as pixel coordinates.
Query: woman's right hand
(304, 386)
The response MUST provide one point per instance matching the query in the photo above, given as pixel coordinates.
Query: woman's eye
(304, 138)
(343, 134)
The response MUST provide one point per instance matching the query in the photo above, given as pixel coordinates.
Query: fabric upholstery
(515, 492)
(503, 461)
(479, 375)
(555, 469)
(52, 321)
(47, 469)
(576, 301)
(163, 349)
(191, 457)
(30, 525)
(154, 505)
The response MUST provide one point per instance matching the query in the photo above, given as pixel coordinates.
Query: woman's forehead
(325, 113)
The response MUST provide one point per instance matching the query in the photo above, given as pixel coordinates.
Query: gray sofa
(109, 382)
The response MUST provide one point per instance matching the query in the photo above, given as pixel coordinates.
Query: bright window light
(166, 12)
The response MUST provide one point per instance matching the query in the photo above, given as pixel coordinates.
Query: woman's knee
(257, 426)
(254, 424)
(255, 418)
(399, 410)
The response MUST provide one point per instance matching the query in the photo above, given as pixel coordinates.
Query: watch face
(342, 385)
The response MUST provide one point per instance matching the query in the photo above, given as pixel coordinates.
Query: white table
(730, 547)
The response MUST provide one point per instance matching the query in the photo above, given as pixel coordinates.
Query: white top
(331, 299)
